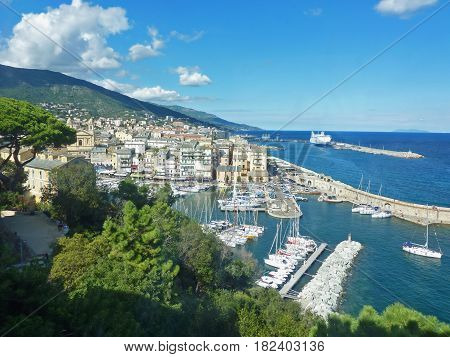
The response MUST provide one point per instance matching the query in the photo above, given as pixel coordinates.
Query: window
(80, 142)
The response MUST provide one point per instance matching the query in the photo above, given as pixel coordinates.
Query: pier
(369, 150)
(282, 206)
(284, 291)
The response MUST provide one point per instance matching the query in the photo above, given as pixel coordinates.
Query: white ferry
(320, 139)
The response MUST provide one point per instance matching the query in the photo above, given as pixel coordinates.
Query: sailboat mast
(428, 222)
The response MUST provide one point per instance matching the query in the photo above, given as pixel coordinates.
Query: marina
(384, 272)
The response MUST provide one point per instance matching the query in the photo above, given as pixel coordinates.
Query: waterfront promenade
(408, 211)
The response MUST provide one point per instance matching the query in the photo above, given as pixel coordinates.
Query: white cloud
(313, 12)
(139, 51)
(156, 93)
(122, 73)
(80, 28)
(187, 38)
(192, 77)
(402, 7)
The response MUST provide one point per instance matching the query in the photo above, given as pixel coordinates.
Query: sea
(382, 273)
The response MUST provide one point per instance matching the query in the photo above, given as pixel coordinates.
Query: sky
(255, 62)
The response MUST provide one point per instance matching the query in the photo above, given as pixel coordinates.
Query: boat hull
(422, 251)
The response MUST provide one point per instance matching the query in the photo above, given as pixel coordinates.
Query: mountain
(42, 86)
(210, 118)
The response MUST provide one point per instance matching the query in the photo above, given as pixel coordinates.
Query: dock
(282, 206)
(284, 291)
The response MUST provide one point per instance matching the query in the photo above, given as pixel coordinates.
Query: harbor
(416, 213)
(382, 261)
(326, 221)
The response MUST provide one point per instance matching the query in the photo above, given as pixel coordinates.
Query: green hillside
(38, 86)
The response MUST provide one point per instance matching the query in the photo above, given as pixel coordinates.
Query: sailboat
(422, 250)
(357, 208)
(368, 209)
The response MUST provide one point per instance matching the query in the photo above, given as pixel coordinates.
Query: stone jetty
(412, 212)
(369, 150)
(321, 295)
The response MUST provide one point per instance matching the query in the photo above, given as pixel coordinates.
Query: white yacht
(422, 250)
(320, 139)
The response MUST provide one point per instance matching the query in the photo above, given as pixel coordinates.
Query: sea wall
(321, 295)
(404, 210)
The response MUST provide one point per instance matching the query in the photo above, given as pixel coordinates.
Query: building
(122, 160)
(203, 162)
(84, 144)
(101, 157)
(187, 164)
(38, 171)
(137, 145)
(226, 175)
(257, 159)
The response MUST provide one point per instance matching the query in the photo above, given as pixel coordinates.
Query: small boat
(422, 250)
(369, 210)
(300, 198)
(358, 208)
(382, 214)
(329, 198)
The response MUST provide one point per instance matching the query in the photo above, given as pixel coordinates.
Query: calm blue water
(382, 273)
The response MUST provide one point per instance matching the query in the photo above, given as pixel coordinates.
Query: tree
(396, 320)
(165, 194)
(200, 255)
(129, 191)
(126, 257)
(74, 196)
(25, 125)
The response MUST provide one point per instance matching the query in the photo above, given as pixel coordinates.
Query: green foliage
(165, 194)
(126, 258)
(25, 125)
(396, 320)
(28, 125)
(74, 196)
(129, 191)
(264, 313)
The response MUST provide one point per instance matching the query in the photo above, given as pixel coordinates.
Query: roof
(43, 164)
(98, 150)
(124, 151)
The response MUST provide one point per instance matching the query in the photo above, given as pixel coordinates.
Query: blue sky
(256, 62)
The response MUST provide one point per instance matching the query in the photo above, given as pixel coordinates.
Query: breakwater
(411, 212)
(321, 295)
(370, 150)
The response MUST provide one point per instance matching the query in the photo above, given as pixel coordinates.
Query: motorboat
(382, 214)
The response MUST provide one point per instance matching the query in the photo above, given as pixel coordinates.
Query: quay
(284, 291)
(408, 211)
(369, 150)
(282, 206)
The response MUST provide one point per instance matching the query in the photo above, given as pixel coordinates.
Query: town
(151, 150)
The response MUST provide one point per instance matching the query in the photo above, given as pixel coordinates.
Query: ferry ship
(320, 139)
